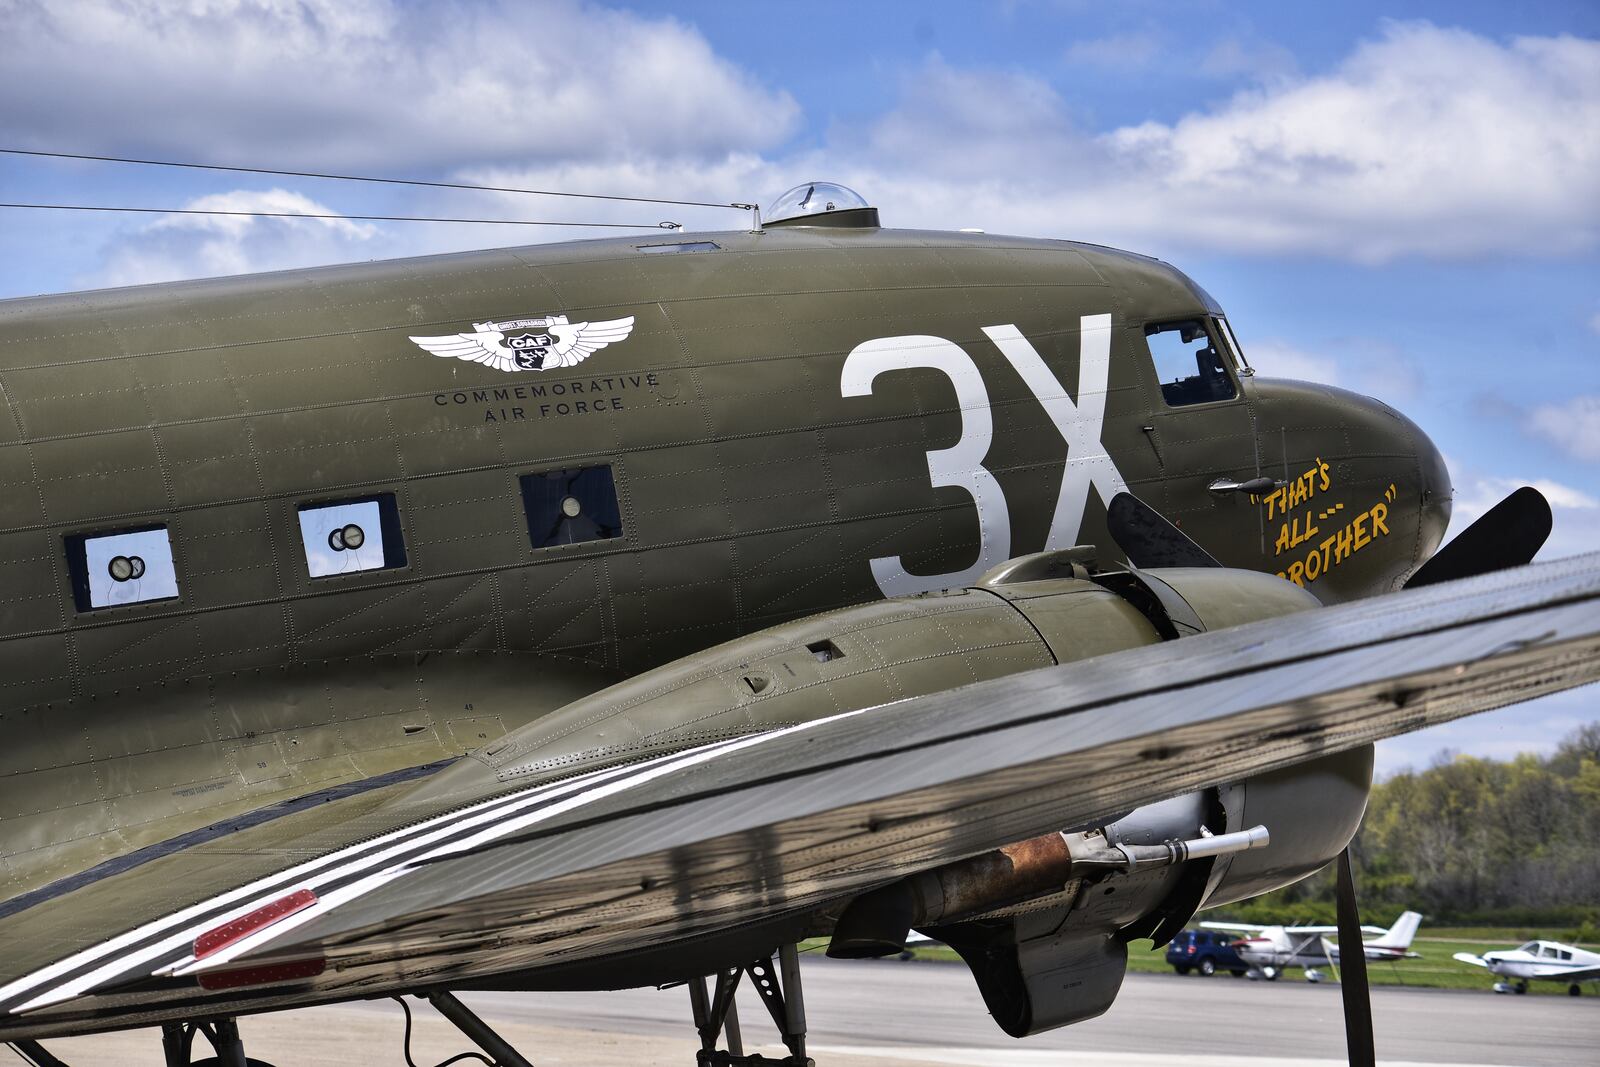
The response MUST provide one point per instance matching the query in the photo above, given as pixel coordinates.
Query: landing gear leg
(177, 1041)
(780, 992)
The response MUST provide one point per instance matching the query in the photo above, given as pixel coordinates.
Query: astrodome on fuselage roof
(815, 198)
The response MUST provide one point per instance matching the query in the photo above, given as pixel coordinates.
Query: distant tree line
(1472, 842)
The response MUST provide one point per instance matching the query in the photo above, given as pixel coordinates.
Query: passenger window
(569, 507)
(1189, 363)
(349, 536)
(127, 567)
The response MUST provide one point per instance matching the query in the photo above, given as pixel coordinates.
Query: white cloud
(1119, 51)
(187, 246)
(1423, 142)
(372, 83)
(1426, 141)
(1574, 426)
(1575, 513)
(1277, 359)
(1364, 365)
(1261, 60)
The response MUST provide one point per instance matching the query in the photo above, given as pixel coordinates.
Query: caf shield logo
(540, 343)
(529, 350)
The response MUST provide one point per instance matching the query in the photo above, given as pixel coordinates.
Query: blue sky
(1403, 199)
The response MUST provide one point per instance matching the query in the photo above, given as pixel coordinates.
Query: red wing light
(234, 977)
(218, 938)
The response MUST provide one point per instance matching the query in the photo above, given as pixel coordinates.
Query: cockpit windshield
(1189, 362)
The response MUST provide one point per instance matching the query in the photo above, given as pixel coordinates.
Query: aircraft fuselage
(790, 421)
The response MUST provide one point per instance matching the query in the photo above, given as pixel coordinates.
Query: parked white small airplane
(1544, 960)
(1272, 948)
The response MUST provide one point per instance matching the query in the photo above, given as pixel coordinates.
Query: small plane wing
(628, 858)
(1467, 957)
(1240, 928)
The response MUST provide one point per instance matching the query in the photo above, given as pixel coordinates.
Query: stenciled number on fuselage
(961, 465)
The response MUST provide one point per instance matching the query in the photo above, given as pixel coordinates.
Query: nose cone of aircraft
(1373, 495)
(1437, 493)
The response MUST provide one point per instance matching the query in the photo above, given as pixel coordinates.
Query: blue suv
(1206, 951)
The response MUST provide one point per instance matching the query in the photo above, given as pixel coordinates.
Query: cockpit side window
(1189, 362)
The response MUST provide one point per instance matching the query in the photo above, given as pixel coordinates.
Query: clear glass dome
(814, 198)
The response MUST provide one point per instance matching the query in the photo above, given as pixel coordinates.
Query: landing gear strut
(716, 1013)
(177, 1041)
(496, 1046)
(35, 1053)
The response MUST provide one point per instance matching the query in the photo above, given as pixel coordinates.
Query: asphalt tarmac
(892, 1014)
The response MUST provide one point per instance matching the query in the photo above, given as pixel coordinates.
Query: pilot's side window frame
(1204, 387)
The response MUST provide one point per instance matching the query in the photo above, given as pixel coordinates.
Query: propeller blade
(1353, 977)
(1507, 535)
(1148, 539)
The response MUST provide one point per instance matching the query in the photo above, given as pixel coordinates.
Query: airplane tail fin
(1400, 934)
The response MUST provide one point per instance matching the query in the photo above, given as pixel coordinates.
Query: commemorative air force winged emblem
(529, 344)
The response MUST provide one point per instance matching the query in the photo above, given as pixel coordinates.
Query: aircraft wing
(628, 859)
(1241, 928)
(1467, 957)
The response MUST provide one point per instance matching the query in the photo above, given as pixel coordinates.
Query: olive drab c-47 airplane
(623, 612)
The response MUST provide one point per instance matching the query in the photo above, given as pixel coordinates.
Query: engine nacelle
(1321, 802)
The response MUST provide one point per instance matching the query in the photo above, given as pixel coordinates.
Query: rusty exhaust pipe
(877, 922)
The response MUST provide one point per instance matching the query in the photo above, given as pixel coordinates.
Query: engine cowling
(1322, 800)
